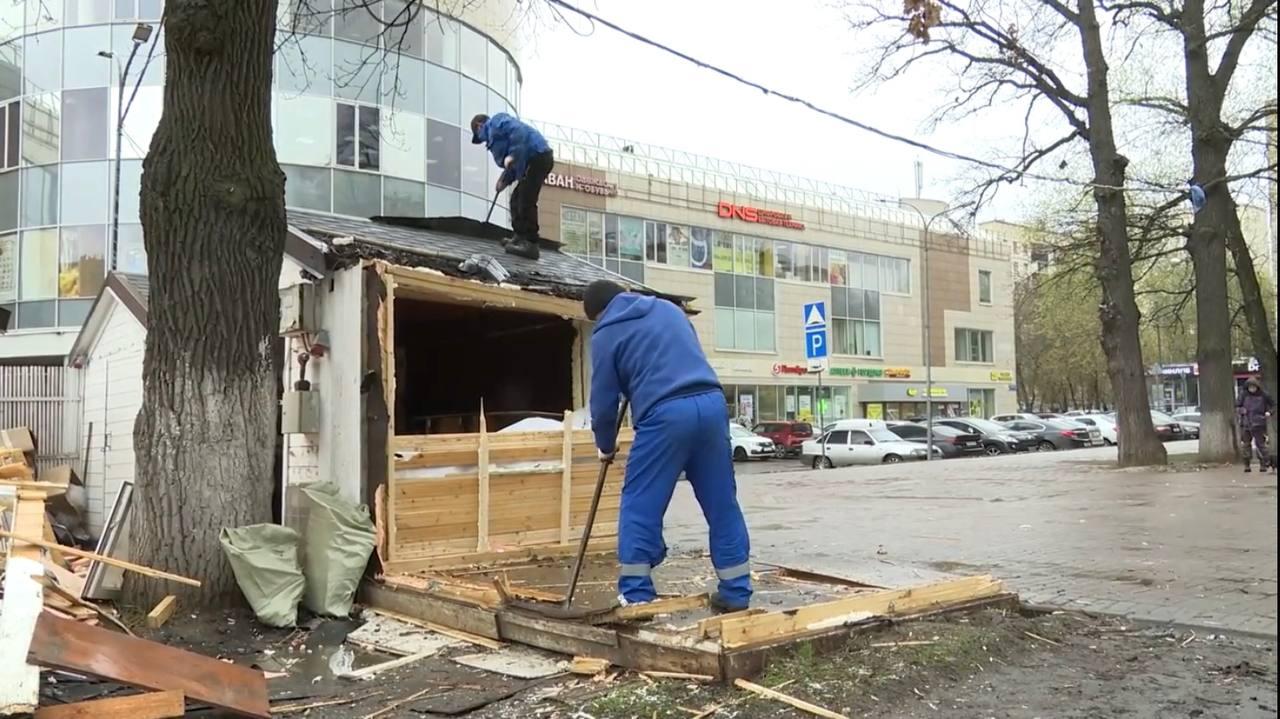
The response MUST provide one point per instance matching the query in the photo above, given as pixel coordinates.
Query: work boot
(724, 606)
(522, 247)
(1248, 466)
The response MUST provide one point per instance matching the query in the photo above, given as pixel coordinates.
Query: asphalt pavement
(1185, 544)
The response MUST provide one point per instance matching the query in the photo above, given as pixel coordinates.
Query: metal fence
(45, 400)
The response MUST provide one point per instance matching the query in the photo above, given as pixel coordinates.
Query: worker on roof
(646, 349)
(526, 160)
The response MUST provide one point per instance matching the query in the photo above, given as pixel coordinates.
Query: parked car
(1049, 415)
(1052, 434)
(748, 444)
(860, 441)
(996, 438)
(788, 436)
(1190, 422)
(1168, 429)
(1106, 426)
(1007, 418)
(949, 440)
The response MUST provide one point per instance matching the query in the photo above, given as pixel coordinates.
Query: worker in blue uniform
(526, 159)
(645, 349)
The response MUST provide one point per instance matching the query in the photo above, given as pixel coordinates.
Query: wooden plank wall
(447, 515)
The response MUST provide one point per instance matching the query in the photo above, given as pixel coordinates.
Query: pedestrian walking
(526, 160)
(646, 349)
(1254, 407)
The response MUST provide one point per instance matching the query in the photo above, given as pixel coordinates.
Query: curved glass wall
(370, 119)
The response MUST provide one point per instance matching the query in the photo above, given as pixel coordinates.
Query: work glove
(501, 184)
(606, 456)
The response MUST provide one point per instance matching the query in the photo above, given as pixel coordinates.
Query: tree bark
(214, 222)
(1118, 311)
(1207, 246)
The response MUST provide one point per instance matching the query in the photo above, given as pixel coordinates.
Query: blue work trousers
(690, 435)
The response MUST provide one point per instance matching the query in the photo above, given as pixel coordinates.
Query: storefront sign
(746, 213)
(870, 372)
(1179, 370)
(897, 373)
(582, 183)
(1002, 376)
(797, 369)
(937, 392)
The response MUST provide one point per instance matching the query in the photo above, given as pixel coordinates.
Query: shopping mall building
(388, 137)
(753, 247)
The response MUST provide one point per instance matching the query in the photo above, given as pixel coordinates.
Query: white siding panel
(112, 397)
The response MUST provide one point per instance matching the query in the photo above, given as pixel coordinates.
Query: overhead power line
(1009, 173)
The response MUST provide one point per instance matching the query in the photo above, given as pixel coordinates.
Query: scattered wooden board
(588, 666)
(441, 629)
(393, 636)
(369, 671)
(787, 699)
(152, 705)
(23, 602)
(660, 606)
(519, 662)
(128, 566)
(74, 647)
(772, 626)
(162, 611)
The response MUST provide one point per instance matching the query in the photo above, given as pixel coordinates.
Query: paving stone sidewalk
(1063, 529)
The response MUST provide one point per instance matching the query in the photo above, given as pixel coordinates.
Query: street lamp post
(141, 34)
(926, 222)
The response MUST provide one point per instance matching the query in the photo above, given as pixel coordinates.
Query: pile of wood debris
(46, 624)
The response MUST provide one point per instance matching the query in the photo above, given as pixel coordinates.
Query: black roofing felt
(427, 244)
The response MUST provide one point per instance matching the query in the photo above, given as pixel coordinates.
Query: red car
(789, 437)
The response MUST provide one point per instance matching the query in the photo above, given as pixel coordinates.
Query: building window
(358, 137)
(984, 287)
(609, 241)
(974, 346)
(794, 261)
(855, 322)
(744, 312)
(895, 275)
(10, 131)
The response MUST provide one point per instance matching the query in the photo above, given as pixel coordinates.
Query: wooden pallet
(725, 647)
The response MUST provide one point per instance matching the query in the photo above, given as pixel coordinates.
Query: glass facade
(749, 404)
(358, 130)
(745, 269)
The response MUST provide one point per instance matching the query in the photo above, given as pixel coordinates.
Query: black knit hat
(598, 296)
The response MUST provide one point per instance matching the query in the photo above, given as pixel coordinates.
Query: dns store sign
(746, 213)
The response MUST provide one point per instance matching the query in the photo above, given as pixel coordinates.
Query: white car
(1105, 425)
(748, 444)
(1015, 417)
(860, 442)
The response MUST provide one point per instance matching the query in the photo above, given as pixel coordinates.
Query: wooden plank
(127, 566)
(162, 611)
(496, 559)
(588, 666)
(73, 647)
(482, 496)
(23, 601)
(566, 477)
(50, 489)
(787, 699)
(710, 627)
(469, 292)
(565, 629)
(366, 672)
(441, 629)
(152, 705)
(387, 316)
(652, 609)
(765, 627)
(426, 607)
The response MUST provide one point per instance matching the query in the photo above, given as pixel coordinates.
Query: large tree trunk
(213, 215)
(1207, 245)
(1255, 312)
(1118, 311)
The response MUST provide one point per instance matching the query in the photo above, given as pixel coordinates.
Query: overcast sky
(612, 84)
